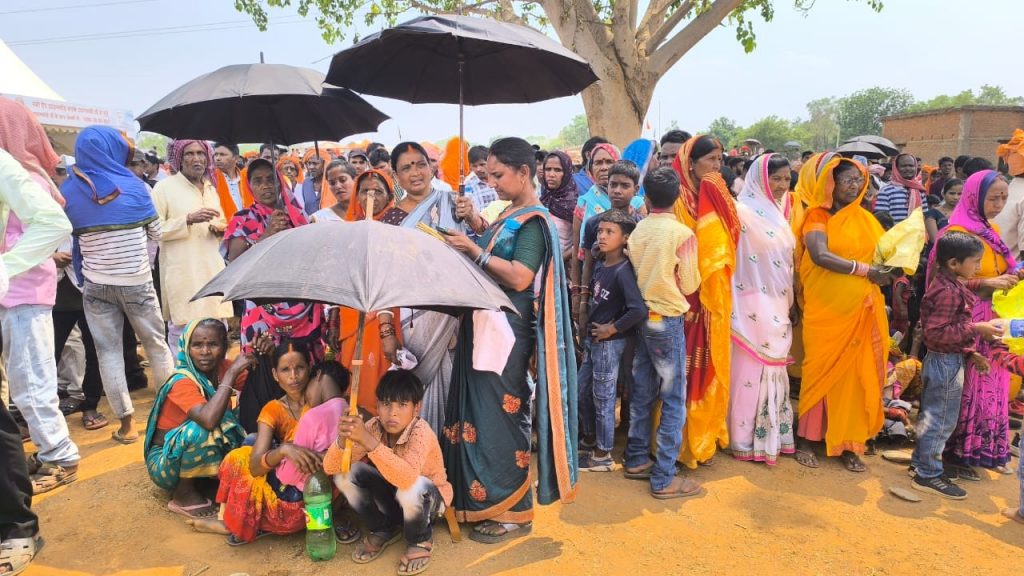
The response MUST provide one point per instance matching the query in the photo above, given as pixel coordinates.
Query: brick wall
(971, 130)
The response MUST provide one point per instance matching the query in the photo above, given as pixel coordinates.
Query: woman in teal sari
(191, 426)
(486, 437)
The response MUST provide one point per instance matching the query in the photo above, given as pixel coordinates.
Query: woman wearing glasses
(844, 319)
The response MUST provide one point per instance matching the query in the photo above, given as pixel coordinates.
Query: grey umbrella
(882, 143)
(461, 60)
(361, 265)
(261, 103)
(861, 149)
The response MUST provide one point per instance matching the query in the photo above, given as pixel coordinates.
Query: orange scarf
(227, 203)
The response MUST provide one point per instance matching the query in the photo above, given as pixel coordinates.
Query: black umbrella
(261, 103)
(461, 60)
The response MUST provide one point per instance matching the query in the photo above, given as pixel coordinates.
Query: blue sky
(840, 47)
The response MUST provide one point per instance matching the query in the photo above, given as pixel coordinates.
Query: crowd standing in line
(684, 291)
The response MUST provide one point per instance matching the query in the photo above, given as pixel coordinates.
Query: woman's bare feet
(208, 525)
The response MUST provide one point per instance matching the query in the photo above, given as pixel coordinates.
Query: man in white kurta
(192, 222)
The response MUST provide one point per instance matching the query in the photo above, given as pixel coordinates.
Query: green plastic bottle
(320, 543)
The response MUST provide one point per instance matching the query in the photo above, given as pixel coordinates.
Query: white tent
(62, 120)
(19, 79)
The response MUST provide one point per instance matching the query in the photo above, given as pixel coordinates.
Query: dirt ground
(785, 520)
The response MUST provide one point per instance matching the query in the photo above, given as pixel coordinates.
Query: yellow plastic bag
(901, 245)
(1010, 305)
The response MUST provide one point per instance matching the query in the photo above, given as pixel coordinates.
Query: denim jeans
(105, 309)
(598, 377)
(382, 507)
(32, 373)
(943, 378)
(659, 373)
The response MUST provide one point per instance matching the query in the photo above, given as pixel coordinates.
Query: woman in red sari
(706, 207)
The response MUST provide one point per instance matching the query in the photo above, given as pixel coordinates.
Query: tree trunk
(613, 113)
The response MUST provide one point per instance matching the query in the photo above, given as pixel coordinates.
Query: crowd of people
(704, 300)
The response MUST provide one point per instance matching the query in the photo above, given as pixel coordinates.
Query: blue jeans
(943, 377)
(598, 377)
(659, 373)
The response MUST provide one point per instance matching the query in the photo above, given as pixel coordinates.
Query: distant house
(970, 130)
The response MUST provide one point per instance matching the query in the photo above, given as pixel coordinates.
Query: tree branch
(673, 20)
(670, 53)
(653, 16)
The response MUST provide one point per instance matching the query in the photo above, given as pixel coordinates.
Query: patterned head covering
(560, 201)
(23, 137)
(176, 152)
(1013, 153)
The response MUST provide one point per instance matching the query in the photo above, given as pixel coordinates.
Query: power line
(73, 6)
(171, 30)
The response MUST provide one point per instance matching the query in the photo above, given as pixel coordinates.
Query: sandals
(116, 436)
(17, 553)
(852, 462)
(233, 540)
(806, 458)
(421, 551)
(46, 477)
(187, 511)
(69, 406)
(639, 473)
(94, 422)
(687, 489)
(346, 533)
(511, 531)
(367, 552)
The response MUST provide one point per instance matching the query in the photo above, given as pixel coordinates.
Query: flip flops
(116, 436)
(95, 422)
(511, 531)
(366, 553)
(421, 551)
(186, 511)
(688, 489)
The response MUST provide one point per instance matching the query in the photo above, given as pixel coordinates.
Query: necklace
(288, 406)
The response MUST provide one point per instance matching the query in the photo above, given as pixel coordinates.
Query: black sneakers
(939, 486)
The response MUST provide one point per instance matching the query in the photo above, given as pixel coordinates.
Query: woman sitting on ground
(191, 426)
(256, 502)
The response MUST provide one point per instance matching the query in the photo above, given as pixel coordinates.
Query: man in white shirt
(1011, 219)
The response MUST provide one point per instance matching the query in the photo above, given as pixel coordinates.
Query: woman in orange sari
(380, 329)
(706, 206)
(845, 329)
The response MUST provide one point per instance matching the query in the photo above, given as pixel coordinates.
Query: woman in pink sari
(760, 415)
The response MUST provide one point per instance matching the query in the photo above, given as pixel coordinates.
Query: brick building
(970, 130)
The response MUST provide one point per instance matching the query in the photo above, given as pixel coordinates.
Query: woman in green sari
(192, 426)
(486, 437)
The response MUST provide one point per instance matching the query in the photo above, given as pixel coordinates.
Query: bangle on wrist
(853, 269)
(264, 461)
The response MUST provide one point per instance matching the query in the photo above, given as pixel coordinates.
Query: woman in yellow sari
(706, 207)
(844, 321)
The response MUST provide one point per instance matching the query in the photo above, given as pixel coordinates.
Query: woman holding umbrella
(296, 320)
(486, 438)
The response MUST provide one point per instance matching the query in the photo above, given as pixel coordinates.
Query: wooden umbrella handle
(353, 398)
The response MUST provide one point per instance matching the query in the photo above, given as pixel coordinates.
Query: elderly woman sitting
(192, 426)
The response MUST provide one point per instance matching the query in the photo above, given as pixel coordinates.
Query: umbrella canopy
(791, 144)
(261, 103)
(883, 144)
(503, 63)
(862, 149)
(362, 265)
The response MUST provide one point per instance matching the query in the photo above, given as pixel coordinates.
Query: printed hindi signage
(56, 113)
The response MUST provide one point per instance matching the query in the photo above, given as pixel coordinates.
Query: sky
(153, 46)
